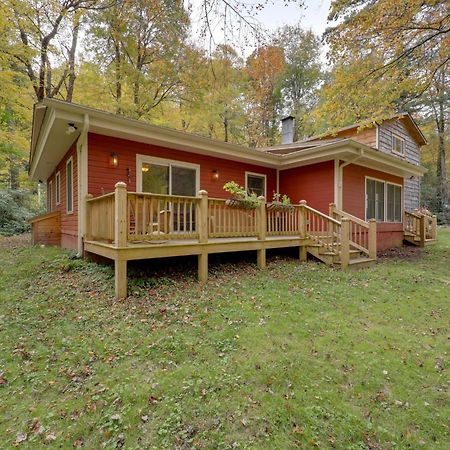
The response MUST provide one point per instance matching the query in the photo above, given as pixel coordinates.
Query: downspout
(82, 166)
(278, 182)
(340, 175)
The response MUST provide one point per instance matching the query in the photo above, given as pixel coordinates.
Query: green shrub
(16, 207)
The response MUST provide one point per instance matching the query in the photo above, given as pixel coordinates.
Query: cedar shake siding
(389, 234)
(313, 183)
(102, 177)
(367, 136)
(69, 222)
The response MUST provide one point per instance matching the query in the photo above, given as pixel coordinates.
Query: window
(163, 176)
(69, 185)
(394, 203)
(383, 201)
(255, 183)
(398, 145)
(58, 188)
(49, 196)
(374, 200)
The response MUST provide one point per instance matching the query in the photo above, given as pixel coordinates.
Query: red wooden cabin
(82, 152)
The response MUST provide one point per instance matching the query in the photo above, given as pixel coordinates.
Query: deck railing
(155, 217)
(124, 216)
(283, 221)
(225, 221)
(100, 217)
(421, 225)
(362, 234)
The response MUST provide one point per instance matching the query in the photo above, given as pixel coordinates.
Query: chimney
(287, 130)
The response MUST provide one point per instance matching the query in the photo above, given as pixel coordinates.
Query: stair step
(361, 263)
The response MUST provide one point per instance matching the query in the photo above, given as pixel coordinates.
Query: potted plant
(239, 197)
(280, 203)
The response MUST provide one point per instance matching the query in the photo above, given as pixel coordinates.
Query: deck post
(423, 229)
(331, 209)
(203, 267)
(434, 228)
(203, 218)
(88, 227)
(302, 230)
(261, 231)
(345, 242)
(120, 278)
(120, 215)
(261, 219)
(372, 240)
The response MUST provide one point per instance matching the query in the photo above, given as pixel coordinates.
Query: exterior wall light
(114, 160)
(215, 174)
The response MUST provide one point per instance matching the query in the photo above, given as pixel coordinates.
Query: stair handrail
(363, 240)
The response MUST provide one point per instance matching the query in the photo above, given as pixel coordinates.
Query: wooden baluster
(345, 243)
(372, 239)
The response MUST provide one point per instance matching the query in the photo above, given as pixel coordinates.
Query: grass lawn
(299, 356)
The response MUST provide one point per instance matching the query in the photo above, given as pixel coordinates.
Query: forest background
(211, 68)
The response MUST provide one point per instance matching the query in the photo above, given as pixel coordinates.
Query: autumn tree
(403, 46)
(264, 68)
(43, 42)
(143, 42)
(302, 75)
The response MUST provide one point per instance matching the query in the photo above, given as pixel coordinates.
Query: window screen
(374, 200)
(394, 203)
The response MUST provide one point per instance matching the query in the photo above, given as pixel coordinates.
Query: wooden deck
(125, 226)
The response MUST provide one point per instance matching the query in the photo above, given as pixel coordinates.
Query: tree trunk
(72, 52)
(118, 75)
(442, 181)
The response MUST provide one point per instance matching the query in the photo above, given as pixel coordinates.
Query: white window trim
(70, 160)
(50, 196)
(262, 175)
(58, 188)
(141, 159)
(403, 145)
(385, 183)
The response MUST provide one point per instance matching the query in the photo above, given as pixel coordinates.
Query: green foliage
(298, 356)
(285, 200)
(16, 207)
(240, 197)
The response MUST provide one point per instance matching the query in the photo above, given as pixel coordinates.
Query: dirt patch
(407, 253)
(17, 241)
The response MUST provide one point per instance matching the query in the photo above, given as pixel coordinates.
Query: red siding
(69, 222)
(313, 183)
(102, 177)
(389, 234)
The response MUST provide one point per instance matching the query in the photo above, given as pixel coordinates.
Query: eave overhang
(50, 142)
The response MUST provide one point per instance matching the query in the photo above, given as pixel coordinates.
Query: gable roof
(50, 141)
(404, 117)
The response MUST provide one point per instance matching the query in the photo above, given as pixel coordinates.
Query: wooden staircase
(341, 239)
(419, 229)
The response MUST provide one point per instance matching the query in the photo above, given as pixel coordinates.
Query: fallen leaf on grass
(20, 437)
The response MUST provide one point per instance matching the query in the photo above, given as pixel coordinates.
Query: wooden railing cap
(202, 192)
(121, 185)
(303, 202)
